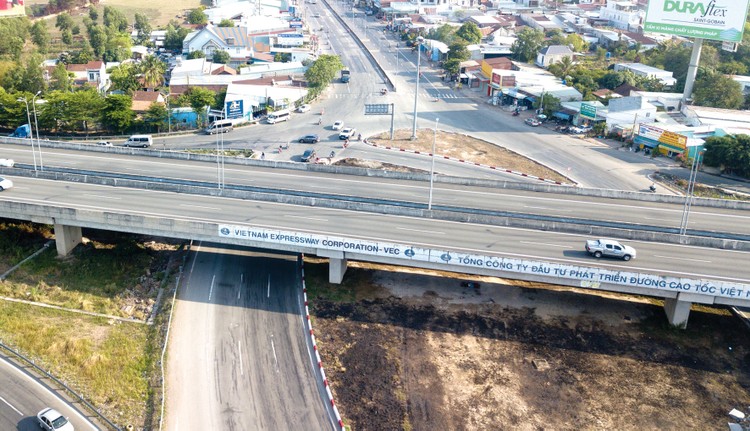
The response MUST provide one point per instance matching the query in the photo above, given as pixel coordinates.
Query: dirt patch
(464, 147)
(429, 352)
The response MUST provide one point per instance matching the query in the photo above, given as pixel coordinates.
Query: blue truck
(23, 131)
(345, 74)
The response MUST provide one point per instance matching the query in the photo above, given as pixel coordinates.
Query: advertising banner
(707, 19)
(672, 139)
(235, 109)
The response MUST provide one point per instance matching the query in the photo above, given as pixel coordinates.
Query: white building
(209, 39)
(625, 112)
(624, 15)
(639, 69)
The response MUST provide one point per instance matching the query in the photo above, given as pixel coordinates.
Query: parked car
(578, 130)
(316, 15)
(52, 420)
(347, 133)
(309, 139)
(104, 143)
(309, 155)
(303, 108)
(338, 125)
(609, 248)
(7, 163)
(533, 122)
(5, 184)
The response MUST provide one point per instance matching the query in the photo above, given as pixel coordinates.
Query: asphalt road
(485, 198)
(23, 396)
(656, 258)
(238, 358)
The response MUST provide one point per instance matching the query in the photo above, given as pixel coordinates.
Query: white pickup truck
(609, 248)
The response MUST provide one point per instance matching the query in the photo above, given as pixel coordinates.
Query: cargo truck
(345, 73)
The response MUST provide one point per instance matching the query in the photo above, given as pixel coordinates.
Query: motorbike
(332, 155)
(359, 137)
(516, 113)
(652, 187)
(384, 91)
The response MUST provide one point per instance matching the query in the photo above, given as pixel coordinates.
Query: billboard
(666, 137)
(12, 8)
(708, 19)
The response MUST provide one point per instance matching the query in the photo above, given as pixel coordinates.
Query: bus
(278, 116)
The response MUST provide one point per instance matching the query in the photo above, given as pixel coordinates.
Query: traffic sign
(588, 111)
(378, 108)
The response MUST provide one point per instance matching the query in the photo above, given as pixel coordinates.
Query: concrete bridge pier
(678, 309)
(336, 265)
(66, 238)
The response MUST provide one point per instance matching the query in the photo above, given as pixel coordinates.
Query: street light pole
(419, 41)
(432, 168)
(28, 121)
(38, 144)
(689, 194)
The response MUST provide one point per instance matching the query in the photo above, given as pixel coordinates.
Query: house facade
(92, 73)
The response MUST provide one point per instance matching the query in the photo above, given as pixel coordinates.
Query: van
(219, 126)
(143, 141)
(278, 116)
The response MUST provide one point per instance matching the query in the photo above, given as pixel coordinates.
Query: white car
(303, 108)
(347, 133)
(338, 125)
(5, 184)
(7, 163)
(51, 420)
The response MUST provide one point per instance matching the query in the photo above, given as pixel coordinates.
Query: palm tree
(152, 71)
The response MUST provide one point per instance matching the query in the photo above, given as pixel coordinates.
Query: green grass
(94, 278)
(107, 362)
(226, 153)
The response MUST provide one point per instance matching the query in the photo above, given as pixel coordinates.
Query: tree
(282, 57)
(67, 37)
(93, 13)
(718, 91)
(13, 34)
(98, 40)
(115, 19)
(612, 80)
(84, 55)
(226, 23)
(60, 78)
(175, 35)
(157, 116)
(71, 110)
(118, 47)
(143, 27)
(197, 16)
(152, 71)
(221, 57)
(200, 98)
(548, 103)
(444, 33)
(117, 113)
(470, 33)
(323, 71)
(32, 78)
(576, 42)
(527, 44)
(76, 29)
(124, 78)
(196, 54)
(731, 153)
(452, 66)
(40, 35)
(12, 112)
(562, 68)
(64, 21)
(457, 50)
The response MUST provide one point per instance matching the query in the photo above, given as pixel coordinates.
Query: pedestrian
(263, 156)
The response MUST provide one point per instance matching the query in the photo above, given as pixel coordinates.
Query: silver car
(52, 420)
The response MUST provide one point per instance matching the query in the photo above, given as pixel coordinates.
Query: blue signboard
(295, 24)
(234, 109)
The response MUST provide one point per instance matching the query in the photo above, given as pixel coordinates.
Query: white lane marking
(546, 208)
(239, 354)
(104, 197)
(657, 218)
(200, 207)
(195, 259)
(683, 258)
(305, 218)
(11, 406)
(275, 359)
(421, 231)
(268, 295)
(211, 291)
(545, 244)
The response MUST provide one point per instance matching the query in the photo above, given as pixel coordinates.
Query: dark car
(309, 139)
(308, 155)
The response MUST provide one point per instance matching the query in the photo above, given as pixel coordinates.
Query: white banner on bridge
(587, 276)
